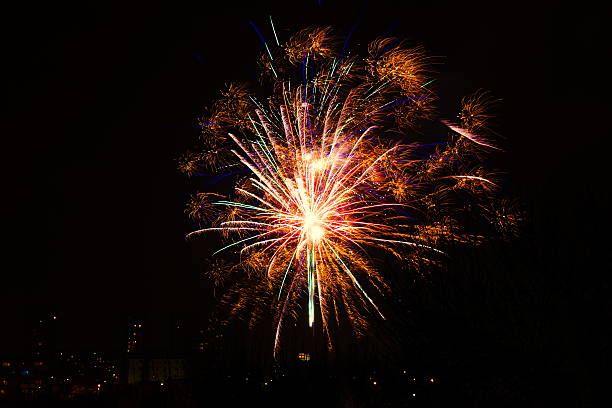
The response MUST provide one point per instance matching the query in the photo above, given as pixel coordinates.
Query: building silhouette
(156, 350)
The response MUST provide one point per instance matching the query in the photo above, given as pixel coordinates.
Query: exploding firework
(332, 170)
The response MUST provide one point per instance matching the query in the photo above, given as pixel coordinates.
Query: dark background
(104, 97)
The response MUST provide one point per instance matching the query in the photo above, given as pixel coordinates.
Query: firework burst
(329, 172)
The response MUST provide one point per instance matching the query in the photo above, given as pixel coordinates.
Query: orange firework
(329, 171)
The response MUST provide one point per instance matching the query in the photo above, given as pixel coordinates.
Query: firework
(330, 171)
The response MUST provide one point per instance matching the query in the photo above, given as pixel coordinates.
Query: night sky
(104, 97)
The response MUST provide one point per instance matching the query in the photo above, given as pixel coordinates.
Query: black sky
(105, 96)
